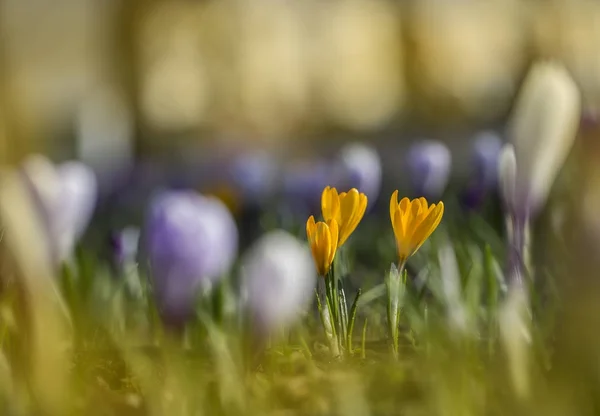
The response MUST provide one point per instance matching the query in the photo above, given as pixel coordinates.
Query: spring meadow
(346, 207)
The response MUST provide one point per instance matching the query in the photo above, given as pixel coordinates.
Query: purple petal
(191, 242)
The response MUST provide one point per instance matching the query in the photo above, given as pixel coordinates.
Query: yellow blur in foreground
(413, 222)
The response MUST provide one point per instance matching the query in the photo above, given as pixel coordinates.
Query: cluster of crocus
(66, 195)
(413, 222)
(341, 213)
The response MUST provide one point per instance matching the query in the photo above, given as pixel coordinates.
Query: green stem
(363, 351)
(343, 314)
(352, 319)
(327, 322)
(393, 311)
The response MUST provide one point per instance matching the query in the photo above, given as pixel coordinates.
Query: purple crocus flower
(429, 164)
(303, 185)
(66, 195)
(484, 159)
(360, 167)
(278, 279)
(254, 175)
(190, 241)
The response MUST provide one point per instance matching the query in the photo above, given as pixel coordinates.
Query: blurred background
(112, 81)
(158, 86)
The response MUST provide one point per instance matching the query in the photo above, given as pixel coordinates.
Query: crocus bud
(278, 279)
(190, 241)
(484, 174)
(67, 196)
(360, 168)
(429, 164)
(542, 129)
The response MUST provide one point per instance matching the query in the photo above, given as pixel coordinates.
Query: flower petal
(426, 228)
(333, 230)
(348, 208)
(394, 206)
(323, 244)
(330, 203)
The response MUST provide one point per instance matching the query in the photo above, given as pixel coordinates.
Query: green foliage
(442, 355)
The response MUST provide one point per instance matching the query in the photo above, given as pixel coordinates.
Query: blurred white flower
(278, 279)
(542, 129)
(67, 196)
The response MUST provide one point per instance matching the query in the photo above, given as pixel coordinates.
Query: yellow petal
(330, 203)
(333, 230)
(323, 248)
(348, 207)
(415, 207)
(427, 226)
(311, 233)
(402, 243)
(394, 206)
(362, 208)
(310, 227)
(358, 213)
(406, 214)
(404, 204)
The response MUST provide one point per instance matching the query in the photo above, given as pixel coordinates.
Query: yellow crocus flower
(413, 222)
(346, 208)
(323, 241)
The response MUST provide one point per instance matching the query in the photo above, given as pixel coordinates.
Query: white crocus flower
(278, 279)
(542, 130)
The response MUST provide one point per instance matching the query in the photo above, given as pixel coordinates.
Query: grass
(116, 358)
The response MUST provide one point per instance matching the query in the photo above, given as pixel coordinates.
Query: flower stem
(352, 319)
(394, 285)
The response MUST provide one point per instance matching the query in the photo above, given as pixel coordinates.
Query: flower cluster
(341, 213)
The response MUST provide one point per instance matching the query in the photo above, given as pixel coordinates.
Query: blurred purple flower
(303, 185)
(191, 242)
(429, 164)
(278, 279)
(484, 176)
(66, 195)
(254, 175)
(124, 244)
(360, 167)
